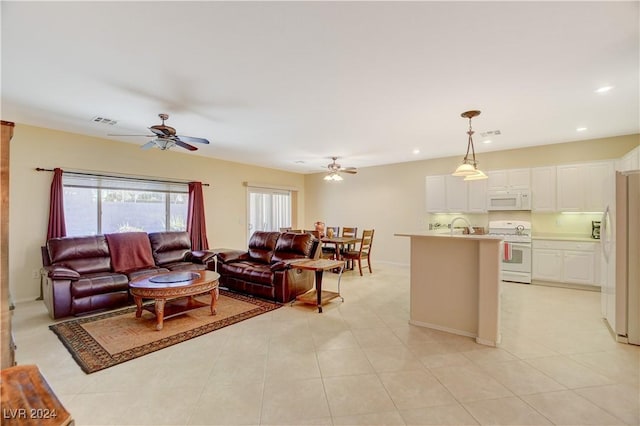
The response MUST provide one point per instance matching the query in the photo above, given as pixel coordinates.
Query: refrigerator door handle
(605, 237)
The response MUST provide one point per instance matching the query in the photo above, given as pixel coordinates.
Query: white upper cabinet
(436, 194)
(504, 180)
(584, 187)
(456, 188)
(631, 161)
(570, 193)
(477, 196)
(452, 194)
(543, 189)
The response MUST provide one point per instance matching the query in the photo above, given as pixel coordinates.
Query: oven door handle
(521, 245)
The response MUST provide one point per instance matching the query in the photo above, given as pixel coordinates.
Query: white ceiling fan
(335, 169)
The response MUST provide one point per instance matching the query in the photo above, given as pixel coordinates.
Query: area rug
(105, 340)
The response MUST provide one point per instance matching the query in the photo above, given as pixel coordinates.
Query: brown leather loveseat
(86, 274)
(264, 270)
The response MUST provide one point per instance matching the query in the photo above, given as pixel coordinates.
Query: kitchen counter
(565, 237)
(455, 281)
(447, 234)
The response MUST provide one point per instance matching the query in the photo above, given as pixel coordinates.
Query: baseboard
(571, 286)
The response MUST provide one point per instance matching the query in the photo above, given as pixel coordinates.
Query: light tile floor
(361, 363)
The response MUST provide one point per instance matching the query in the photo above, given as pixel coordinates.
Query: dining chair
(312, 232)
(349, 233)
(329, 249)
(364, 252)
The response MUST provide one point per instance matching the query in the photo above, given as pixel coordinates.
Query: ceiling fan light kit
(469, 167)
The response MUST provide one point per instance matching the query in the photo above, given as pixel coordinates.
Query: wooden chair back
(349, 232)
(313, 232)
(336, 230)
(366, 242)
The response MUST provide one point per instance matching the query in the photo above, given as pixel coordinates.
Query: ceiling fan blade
(147, 136)
(148, 145)
(192, 139)
(351, 170)
(185, 145)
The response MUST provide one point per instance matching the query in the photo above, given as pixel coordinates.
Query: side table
(318, 296)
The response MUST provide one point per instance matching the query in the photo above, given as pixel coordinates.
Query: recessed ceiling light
(604, 89)
(487, 141)
(416, 151)
(299, 161)
(581, 129)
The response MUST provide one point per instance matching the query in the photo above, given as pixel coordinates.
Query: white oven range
(515, 252)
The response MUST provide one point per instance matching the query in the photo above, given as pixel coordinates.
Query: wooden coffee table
(173, 293)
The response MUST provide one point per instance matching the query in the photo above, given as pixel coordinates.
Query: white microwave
(509, 200)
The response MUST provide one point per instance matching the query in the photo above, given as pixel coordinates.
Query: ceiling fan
(166, 137)
(335, 169)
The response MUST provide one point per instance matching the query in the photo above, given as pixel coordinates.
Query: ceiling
(288, 85)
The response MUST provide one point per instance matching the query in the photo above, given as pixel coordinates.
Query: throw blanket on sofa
(130, 251)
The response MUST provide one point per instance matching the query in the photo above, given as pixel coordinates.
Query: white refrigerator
(620, 271)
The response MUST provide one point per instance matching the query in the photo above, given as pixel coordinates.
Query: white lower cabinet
(573, 262)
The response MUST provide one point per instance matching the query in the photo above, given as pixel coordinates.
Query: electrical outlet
(35, 274)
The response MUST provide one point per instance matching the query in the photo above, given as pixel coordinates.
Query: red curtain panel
(57, 226)
(196, 224)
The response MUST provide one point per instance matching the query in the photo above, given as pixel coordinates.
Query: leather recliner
(264, 270)
(172, 250)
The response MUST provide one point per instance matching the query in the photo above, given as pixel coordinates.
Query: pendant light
(469, 167)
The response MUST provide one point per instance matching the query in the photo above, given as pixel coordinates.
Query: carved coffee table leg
(214, 299)
(138, 301)
(159, 314)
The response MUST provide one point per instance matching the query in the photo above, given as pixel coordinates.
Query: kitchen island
(455, 284)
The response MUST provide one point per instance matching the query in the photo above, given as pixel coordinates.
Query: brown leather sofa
(264, 269)
(80, 277)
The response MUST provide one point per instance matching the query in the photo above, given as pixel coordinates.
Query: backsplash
(563, 223)
(574, 224)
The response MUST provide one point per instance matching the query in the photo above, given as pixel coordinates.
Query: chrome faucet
(471, 230)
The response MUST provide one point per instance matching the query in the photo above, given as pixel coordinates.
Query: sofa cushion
(169, 247)
(248, 271)
(92, 284)
(293, 246)
(85, 255)
(130, 251)
(261, 246)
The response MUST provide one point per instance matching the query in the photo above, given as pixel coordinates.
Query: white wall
(31, 147)
(391, 198)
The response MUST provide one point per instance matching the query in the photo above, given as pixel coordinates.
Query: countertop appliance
(515, 250)
(509, 200)
(620, 271)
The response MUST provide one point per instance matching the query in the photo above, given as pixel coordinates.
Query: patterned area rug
(104, 340)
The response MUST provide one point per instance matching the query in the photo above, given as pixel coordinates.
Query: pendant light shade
(469, 167)
(479, 175)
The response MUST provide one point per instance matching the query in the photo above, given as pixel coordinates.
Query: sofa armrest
(280, 266)
(200, 256)
(61, 273)
(232, 256)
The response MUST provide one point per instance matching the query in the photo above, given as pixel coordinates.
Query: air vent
(490, 133)
(103, 120)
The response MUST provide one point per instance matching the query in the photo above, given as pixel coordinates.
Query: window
(101, 205)
(269, 209)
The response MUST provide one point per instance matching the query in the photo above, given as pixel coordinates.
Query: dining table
(339, 243)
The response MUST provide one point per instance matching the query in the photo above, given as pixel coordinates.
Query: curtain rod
(40, 169)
